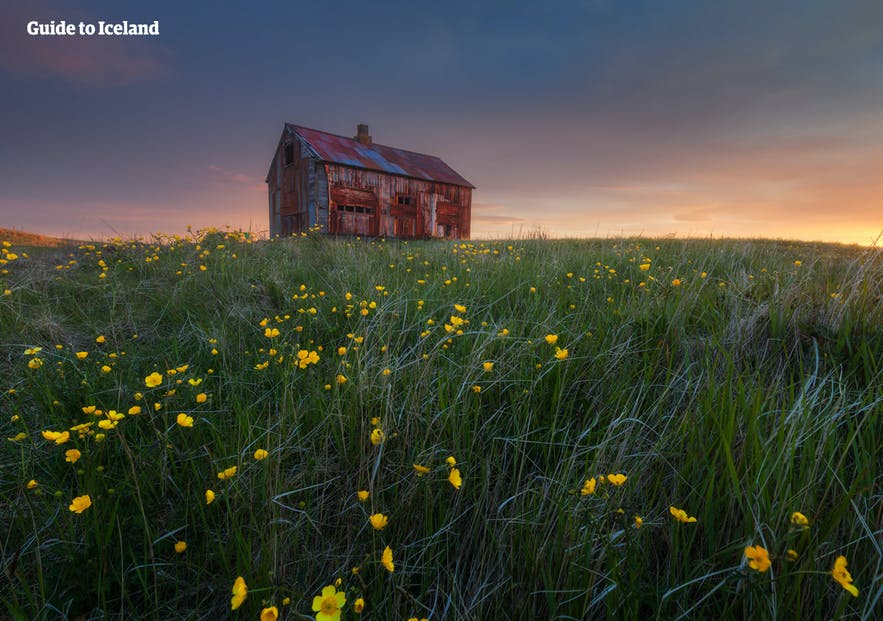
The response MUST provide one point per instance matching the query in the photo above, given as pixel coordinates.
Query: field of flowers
(214, 427)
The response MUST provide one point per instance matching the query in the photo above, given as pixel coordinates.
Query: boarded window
(404, 199)
(289, 153)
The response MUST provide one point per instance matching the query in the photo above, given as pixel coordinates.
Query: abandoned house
(352, 186)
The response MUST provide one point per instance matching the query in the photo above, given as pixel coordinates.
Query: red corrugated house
(352, 186)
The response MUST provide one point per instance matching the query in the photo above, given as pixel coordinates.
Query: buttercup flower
(842, 576)
(271, 333)
(487, 366)
(209, 496)
(185, 421)
(201, 397)
(329, 604)
(180, 547)
(72, 455)
(639, 521)
(32, 484)
(80, 504)
(260, 454)
(59, 437)
(455, 479)
(616, 479)
(680, 515)
(421, 470)
(561, 354)
(153, 380)
(82, 355)
(226, 474)
(386, 560)
(798, 519)
(362, 495)
(551, 339)
(240, 592)
(589, 487)
(378, 521)
(759, 558)
(377, 436)
(359, 606)
(270, 614)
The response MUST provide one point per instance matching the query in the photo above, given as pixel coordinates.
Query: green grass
(751, 390)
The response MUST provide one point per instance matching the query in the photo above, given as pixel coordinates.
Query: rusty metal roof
(350, 152)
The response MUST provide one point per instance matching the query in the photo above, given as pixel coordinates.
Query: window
(404, 199)
(355, 209)
(289, 153)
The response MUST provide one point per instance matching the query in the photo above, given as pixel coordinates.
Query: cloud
(222, 175)
(487, 213)
(93, 61)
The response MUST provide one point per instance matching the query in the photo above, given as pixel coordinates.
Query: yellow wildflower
(35, 363)
(454, 478)
(459, 308)
(81, 355)
(616, 479)
(359, 606)
(759, 558)
(639, 521)
(421, 470)
(32, 484)
(209, 496)
(551, 339)
(362, 495)
(842, 576)
(561, 354)
(377, 436)
(153, 380)
(680, 515)
(676, 282)
(240, 592)
(271, 333)
(451, 461)
(72, 455)
(201, 397)
(487, 366)
(341, 379)
(378, 521)
(134, 410)
(100, 338)
(260, 454)
(184, 421)
(589, 487)
(329, 604)
(59, 437)
(270, 614)
(386, 560)
(80, 504)
(798, 519)
(228, 473)
(180, 547)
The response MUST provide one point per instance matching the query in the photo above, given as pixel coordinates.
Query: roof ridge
(386, 146)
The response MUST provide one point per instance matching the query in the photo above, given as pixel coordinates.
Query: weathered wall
(353, 201)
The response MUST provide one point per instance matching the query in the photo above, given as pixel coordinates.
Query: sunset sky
(577, 117)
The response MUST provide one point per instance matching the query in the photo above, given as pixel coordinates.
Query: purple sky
(577, 117)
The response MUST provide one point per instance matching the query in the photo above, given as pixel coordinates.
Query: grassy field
(547, 429)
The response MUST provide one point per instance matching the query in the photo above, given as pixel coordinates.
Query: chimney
(362, 136)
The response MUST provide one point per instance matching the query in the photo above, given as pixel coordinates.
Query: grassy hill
(511, 429)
